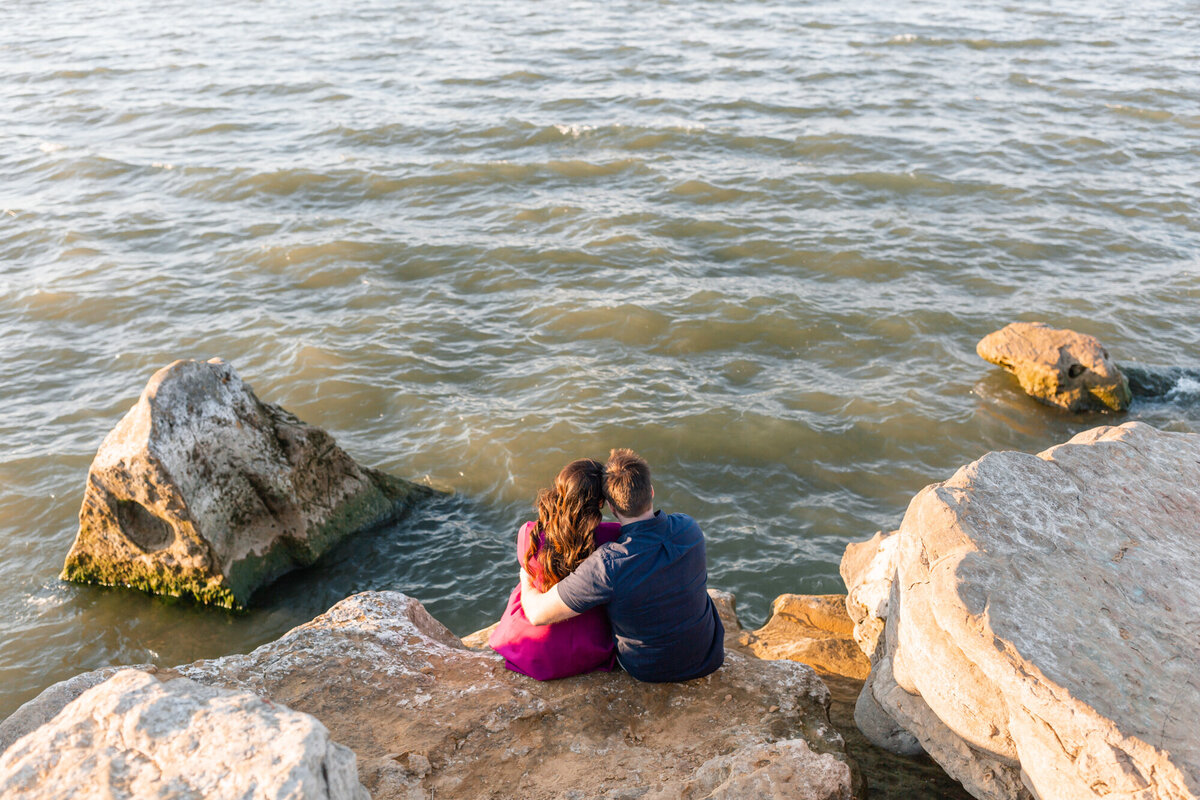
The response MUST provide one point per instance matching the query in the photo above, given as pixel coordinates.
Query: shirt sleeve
(590, 585)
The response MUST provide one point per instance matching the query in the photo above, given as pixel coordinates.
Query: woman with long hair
(568, 528)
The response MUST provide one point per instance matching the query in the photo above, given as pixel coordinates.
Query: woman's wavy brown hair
(568, 514)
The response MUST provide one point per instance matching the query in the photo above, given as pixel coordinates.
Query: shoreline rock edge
(428, 717)
(1026, 622)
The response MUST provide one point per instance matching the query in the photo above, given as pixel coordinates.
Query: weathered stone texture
(1038, 629)
(135, 737)
(430, 718)
(1057, 366)
(45, 706)
(204, 490)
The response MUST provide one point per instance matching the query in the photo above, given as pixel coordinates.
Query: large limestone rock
(133, 736)
(430, 718)
(1057, 366)
(1032, 623)
(204, 490)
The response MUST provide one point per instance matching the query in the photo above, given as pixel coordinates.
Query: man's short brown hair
(627, 483)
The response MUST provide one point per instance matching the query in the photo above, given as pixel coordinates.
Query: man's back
(654, 580)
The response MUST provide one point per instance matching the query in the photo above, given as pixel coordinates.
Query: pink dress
(571, 647)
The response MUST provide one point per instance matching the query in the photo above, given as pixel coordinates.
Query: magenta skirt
(571, 647)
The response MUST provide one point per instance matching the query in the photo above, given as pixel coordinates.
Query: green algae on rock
(203, 490)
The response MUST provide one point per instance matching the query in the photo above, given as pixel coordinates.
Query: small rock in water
(204, 490)
(1057, 366)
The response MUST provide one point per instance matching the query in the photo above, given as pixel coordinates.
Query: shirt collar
(646, 525)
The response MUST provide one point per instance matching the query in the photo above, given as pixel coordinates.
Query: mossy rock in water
(202, 490)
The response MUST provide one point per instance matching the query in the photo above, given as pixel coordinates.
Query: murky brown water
(755, 241)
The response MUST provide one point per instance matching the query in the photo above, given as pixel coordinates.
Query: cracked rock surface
(1032, 624)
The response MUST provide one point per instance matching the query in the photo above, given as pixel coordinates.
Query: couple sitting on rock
(596, 594)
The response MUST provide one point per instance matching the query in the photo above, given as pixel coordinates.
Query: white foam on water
(574, 131)
(1187, 386)
(51, 147)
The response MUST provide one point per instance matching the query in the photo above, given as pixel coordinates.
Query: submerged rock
(1058, 367)
(1181, 384)
(204, 490)
(1031, 621)
(133, 736)
(430, 718)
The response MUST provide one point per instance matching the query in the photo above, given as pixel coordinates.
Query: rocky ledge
(429, 717)
(204, 490)
(1032, 624)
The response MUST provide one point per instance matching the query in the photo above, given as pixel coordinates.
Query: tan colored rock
(811, 629)
(429, 718)
(135, 737)
(1057, 366)
(204, 490)
(1036, 634)
(479, 639)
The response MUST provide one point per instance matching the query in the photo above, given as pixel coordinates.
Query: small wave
(576, 168)
(1186, 388)
(226, 127)
(1152, 114)
(51, 147)
(1012, 44)
(269, 89)
(337, 186)
(1170, 384)
(75, 74)
(915, 183)
(698, 191)
(547, 214)
(574, 131)
(524, 76)
(902, 39)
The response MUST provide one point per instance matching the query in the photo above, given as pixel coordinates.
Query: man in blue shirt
(653, 580)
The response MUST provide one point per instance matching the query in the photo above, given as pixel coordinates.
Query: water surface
(756, 241)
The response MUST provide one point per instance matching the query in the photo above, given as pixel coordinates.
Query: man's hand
(542, 608)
